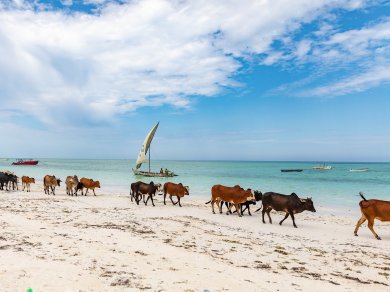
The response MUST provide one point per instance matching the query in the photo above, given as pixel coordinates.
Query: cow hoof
(356, 234)
(296, 226)
(213, 212)
(378, 238)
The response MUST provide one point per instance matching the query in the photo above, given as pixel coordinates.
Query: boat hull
(30, 162)
(322, 167)
(291, 170)
(153, 174)
(359, 170)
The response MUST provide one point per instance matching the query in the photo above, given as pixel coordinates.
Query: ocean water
(337, 187)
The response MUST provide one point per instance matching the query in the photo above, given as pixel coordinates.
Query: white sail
(145, 147)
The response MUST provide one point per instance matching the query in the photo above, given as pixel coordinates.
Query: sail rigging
(145, 147)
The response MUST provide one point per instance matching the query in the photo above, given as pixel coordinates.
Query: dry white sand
(107, 243)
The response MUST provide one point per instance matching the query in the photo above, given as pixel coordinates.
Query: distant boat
(142, 155)
(322, 167)
(291, 170)
(25, 162)
(358, 169)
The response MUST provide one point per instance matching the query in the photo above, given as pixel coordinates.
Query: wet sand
(108, 243)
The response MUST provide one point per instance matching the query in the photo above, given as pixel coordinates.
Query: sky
(268, 80)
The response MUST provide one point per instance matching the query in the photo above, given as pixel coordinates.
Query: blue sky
(246, 80)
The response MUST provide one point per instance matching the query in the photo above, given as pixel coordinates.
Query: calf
(371, 210)
(50, 182)
(71, 184)
(89, 184)
(291, 204)
(26, 181)
(177, 190)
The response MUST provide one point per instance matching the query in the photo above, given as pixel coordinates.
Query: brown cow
(50, 182)
(371, 210)
(71, 184)
(233, 195)
(26, 181)
(89, 183)
(177, 190)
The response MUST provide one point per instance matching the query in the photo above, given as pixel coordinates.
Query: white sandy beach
(108, 243)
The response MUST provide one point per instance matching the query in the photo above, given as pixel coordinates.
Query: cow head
(159, 189)
(187, 191)
(250, 195)
(258, 196)
(309, 205)
(58, 182)
(97, 184)
(33, 180)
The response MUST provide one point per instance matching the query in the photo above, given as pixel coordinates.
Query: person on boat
(161, 171)
(166, 171)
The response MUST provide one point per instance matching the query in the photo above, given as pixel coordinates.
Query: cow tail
(208, 202)
(259, 208)
(361, 194)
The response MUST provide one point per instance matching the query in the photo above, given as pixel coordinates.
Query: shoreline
(109, 243)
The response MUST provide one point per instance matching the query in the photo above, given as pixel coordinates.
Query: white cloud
(361, 56)
(356, 83)
(143, 53)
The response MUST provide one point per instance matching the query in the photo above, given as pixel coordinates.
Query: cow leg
(165, 194)
(172, 200)
(219, 205)
(228, 210)
(222, 205)
(151, 198)
(94, 192)
(137, 197)
(263, 213)
(238, 209)
(246, 207)
(285, 217)
(227, 206)
(86, 191)
(23, 185)
(269, 216)
(212, 205)
(178, 198)
(146, 202)
(359, 223)
(371, 226)
(293, 219)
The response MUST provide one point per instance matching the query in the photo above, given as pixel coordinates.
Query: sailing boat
(145, 148)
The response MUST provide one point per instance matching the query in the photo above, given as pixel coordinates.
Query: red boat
(25, 162)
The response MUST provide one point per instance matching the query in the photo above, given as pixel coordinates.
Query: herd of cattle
(10, 181)
(221, 195)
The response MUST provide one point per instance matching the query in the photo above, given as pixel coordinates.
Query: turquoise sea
(337, 187)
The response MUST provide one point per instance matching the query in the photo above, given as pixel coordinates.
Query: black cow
(140, 188)
(291, 204)
(8, 180)
(258, 197)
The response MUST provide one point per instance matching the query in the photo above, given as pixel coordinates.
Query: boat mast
(149, 157)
